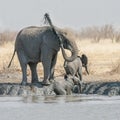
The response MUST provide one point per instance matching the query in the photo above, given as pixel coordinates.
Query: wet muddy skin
(99, 88)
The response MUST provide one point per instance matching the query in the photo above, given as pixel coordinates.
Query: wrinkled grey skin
(65, 87)
(74, 68)
(40, 44)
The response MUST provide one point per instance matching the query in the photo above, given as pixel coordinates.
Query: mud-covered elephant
(40, 44)
(66, 86)
(74, 68)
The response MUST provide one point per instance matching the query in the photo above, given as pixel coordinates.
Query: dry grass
(102, 56)
(6, 51)
(103, 60)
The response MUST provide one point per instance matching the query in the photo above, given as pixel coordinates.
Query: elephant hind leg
(34, 72)
(23, 64)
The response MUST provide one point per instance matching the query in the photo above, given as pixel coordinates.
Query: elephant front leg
(46, 74)
(46, 61)
(53, 62)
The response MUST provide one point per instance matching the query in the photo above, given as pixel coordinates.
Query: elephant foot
(45, 82)
(35, 81)
(51, 80)
(23, 83)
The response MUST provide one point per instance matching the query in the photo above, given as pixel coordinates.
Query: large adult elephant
(40, 44)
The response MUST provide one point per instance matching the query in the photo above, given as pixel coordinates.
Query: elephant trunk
(86, 70)
(74, 53)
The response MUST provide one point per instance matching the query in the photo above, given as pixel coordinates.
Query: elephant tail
(11, 58)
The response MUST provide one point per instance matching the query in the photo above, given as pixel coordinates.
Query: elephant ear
(51, 40)
(84, 60)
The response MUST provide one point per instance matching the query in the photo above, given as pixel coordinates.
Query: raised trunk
(74, 53)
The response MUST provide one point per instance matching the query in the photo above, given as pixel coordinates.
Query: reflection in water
(60, 99)
(73, 107)
(52, 99)
(68, 98)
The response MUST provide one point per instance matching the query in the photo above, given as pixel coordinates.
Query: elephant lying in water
(74, 68)
(65, 87)
(40, 44)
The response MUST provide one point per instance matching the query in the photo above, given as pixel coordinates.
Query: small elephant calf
(74, 68)
(65, 87)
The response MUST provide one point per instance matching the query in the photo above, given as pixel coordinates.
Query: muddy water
(75, 107)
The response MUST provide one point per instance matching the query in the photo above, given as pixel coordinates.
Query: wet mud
(99, 88)
(102, 88)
